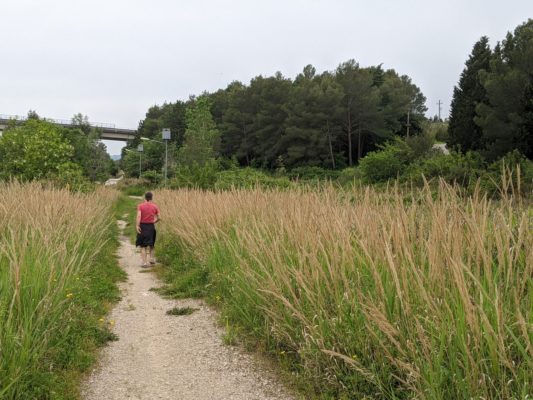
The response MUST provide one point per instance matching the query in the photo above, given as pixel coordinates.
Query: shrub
(420, 145)
(153, 177)
(349, 176)
(454, 168)
(134, 186)
(249, 178)
(510, 165)
(312, 173)
(388, 163)
(195, 175)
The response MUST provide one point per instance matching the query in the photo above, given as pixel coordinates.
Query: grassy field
(366, 294)
(57, 277)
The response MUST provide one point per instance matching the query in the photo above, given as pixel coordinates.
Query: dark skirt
(147, 236)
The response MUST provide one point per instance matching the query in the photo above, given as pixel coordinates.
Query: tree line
(38, 149)
(328, 120)
(492, 107)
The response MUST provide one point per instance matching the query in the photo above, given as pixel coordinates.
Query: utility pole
(440, 107)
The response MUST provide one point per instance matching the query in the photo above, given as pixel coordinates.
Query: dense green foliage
(492, 109)
(201, 136)
(38, 149)
(327, 120)
(350, 116)
(463, 131)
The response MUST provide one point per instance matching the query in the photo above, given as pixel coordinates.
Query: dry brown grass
(47, 238)
(424, 294)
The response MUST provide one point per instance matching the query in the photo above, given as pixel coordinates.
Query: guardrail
(58, 121)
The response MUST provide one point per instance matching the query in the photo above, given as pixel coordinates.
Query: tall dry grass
(390, 294)
(48, 237)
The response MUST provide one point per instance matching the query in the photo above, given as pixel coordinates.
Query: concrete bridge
(108, 131)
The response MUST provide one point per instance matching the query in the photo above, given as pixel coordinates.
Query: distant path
(158, 356)
(442, 147)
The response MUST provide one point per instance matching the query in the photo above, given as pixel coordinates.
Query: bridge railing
(58, 121)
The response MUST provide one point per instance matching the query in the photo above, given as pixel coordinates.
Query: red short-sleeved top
(148, 212)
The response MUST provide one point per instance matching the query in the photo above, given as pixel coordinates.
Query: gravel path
(159, 356)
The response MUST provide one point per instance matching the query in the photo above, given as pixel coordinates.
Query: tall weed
(386, 294)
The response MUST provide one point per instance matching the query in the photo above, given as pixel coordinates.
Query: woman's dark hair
(148, 196)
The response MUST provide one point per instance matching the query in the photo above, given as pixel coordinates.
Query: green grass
(74, 351)
(125, 209)
(184, 275)
(376, 295)
(58, 274)
(181, 311)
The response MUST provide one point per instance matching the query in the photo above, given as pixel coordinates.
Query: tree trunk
(330, 145)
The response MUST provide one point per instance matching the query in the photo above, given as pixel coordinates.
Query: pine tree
(313, 114)
(464, 133)
(236, 124)
(506, 115)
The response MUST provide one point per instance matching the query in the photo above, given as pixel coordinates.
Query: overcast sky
(113, 59)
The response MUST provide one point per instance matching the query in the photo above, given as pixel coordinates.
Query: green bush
(454, 168)
(134, 186)
(249, 178)
(512, 164)
(420, 145)
(441, 134)
(195, 175)
(153, 177)
(388, 163)
(349, 176)
(312, 173)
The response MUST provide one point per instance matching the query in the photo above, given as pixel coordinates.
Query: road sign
(140, 147)
(166, 134)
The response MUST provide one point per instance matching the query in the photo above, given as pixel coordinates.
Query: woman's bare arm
(138, 221)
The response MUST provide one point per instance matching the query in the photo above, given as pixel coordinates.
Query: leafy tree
(201, 136)
(35, 150)
(268, 96)
(400, 97)
(316, 120)
(89, 153)
(129, 163)
(237, 122)
(32, 114)
(81, 122)
(464, 133)
(361, 104)
(313, 110)
(507, 113)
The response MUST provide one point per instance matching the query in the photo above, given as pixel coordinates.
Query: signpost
(140, 149)
(166, 138)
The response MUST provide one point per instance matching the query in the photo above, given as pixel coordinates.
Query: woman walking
(147, 216)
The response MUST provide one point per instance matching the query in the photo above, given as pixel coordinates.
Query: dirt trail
(159, 356)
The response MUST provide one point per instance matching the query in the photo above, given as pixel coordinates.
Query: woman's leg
(143, 255)
(152, 256)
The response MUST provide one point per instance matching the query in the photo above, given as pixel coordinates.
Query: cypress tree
(464, 133)
(507, 114)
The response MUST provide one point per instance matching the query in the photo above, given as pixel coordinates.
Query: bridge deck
(109, 131)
